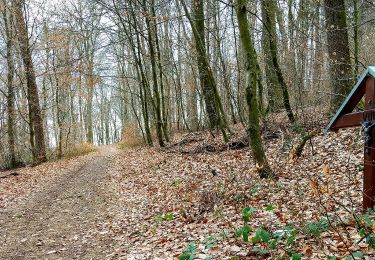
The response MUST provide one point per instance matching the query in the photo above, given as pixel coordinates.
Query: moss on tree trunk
(251, 91)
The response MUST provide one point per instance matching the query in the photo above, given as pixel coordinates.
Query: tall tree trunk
(156, 99)
(161, 81)
(269, 10)
(214, 107)
(239, 65)
(251, 91)
(292, 42)
(338, 49)
(8, 24)
(356, 32)
(57, 104)
(90, 84)
(46, 77)
(226, 79)
(269, 31)
(32, 88)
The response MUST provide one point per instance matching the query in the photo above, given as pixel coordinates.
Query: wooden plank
(348, 120)
(356, 97)
(369, 153)
(351, 100)
(354, 119)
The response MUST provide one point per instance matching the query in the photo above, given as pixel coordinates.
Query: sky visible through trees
(189, 129)
(159, 67)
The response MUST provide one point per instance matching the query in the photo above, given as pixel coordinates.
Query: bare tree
(36, 122)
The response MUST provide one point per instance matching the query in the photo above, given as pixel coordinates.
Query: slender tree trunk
(90, 84)
(156, 98)
(226, 81)
(142, 79)
(338, 50)
(270, 25)
(292, 42)
(8, 24)
(211, 96)
(269, 31)
(80, 107)
(163, 109)
(58, 106)
(239, 66)
(251, 91)
(35, 113)
(356, 35)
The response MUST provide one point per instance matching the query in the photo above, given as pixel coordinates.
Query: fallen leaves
(168, 199)
(186, 184)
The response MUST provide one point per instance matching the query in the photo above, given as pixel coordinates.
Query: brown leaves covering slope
(171, 199)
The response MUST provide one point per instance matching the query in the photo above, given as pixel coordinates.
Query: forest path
(65, 217)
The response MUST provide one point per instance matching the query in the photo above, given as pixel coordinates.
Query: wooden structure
(345, 117)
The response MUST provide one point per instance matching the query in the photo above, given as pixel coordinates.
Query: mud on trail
(64, 215)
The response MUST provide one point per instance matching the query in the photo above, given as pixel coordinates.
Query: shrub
(79, 150)
(131, 137)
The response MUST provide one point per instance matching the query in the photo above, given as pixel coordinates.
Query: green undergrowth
(266, 242)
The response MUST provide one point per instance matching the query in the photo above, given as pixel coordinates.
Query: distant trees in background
(86, 71)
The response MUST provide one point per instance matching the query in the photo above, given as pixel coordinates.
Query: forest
(187, 129)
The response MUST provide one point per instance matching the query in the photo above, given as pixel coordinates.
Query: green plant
(361, 105)
(366, 228)
(238, 197)
(189, 252)
(358, 255)
(223, 234)
(260, 251)
(167, 216)
(359, 167)
(287, 143)
(370, 240)
(355, 255)
(261, 235)
(296, 257)
(247, 213)
(270, 207)
(210, 242)
(244, 232)
(317, 227)
(255, 189)
(289, 234)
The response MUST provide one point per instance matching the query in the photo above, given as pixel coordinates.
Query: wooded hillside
(233, 81)
(77, 72)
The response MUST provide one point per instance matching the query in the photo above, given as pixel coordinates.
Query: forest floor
(189, 201)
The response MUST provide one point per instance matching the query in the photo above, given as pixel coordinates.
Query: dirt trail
(65, 218)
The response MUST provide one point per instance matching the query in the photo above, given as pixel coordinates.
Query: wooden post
(345, 117)
(369, 152)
